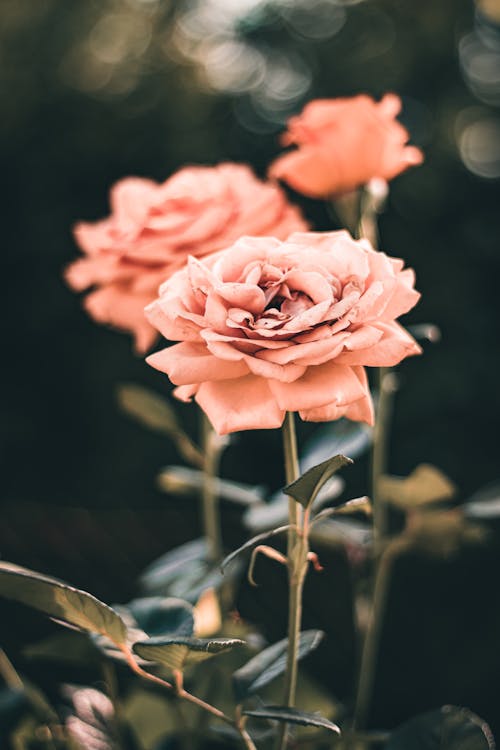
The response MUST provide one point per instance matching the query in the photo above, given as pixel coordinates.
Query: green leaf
(148, 408)
(184, 572)
(293, 716)
(333, 438)
(14, 705)
(166, 569)
(426, 485)
(181, 480)
(441, 533)
(306, 487)
(357, 505)
(270, 663)
(155, 412)
(178, 653)
(60, 601)
(449, 728)
(484, 505)
(251, 542)
(66, 646)
(339, 437)
(162, 616)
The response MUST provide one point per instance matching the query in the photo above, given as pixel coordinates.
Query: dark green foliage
(293, 716)
(306, 487)
(449, 728)
(270, 663)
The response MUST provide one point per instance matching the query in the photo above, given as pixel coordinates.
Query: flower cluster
(268, 317)
(268, 327)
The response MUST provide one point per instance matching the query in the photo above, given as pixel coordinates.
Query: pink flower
(268, 327)
(342, 144)
(153, 228)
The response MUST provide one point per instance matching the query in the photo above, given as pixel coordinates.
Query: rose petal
(312, 353)
(187, 363)
(241, 404)
(323, 384)
(115, 306)
(395, 345)
(185, 392)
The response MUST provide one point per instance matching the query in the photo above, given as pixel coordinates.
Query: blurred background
(95, 90)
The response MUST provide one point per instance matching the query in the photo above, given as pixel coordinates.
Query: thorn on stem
(314, 559)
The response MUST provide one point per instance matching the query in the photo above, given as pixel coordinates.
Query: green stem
(386, 389)
(372, 638)
(369, 208)
(297, 549)
(210, 501)
(9, 673)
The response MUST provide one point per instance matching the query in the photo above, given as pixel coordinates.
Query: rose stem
(367, 227)
(372, 639)
(384, 556)
(297, 549)
(386, 389)
(210, 504)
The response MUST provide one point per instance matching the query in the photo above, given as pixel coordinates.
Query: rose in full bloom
(153, 228)
(344, 143)
(267, 327)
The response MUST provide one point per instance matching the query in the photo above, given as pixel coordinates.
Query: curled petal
(395, 345)
(188, 362)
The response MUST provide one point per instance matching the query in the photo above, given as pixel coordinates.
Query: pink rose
(342, 144)
(153, 228)
(268, 327)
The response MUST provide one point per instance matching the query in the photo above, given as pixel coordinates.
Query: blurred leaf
(351, 533)
(357, 505)
(207, 615)
(180, 480)
(227, 734)
(425, 332)
(13, 706)
(184, 572)
(91, 724)
(270, 663)
(179, 653)
(442, 533)
(155, 412)
(60, 601)
(251, 543)
(152, 717)
(334, 438)
(484, 504)
(147, 407)
(307, 486)
(167, 568)
(293, 716)
(72, 647)
(424, 486)
(162, 616)
(449, 728)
